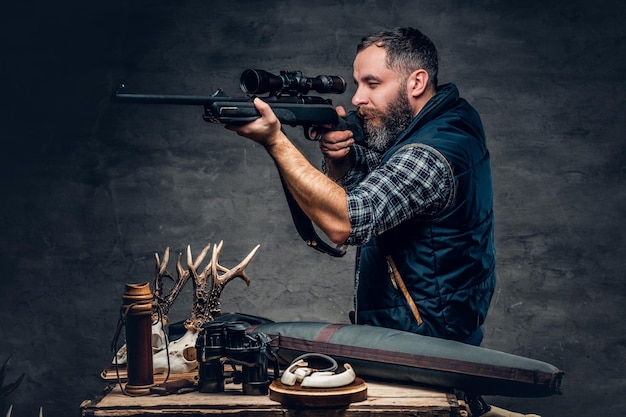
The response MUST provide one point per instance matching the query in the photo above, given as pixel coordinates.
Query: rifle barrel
(123, 95)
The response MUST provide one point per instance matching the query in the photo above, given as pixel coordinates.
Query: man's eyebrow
(368, 78)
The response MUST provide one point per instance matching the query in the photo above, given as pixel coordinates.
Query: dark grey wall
(92, 189)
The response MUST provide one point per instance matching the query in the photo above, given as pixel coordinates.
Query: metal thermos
(137, 306)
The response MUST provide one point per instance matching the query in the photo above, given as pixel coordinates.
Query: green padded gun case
(393, 355)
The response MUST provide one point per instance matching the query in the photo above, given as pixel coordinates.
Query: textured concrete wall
(92, 189)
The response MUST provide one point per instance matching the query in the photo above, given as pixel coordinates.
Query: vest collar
(446, 95)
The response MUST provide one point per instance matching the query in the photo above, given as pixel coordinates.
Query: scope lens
(255, 81)
(250, 81)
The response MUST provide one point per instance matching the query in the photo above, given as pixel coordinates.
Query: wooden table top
(383, 399)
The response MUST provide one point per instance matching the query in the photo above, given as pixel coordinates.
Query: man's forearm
(324, 202)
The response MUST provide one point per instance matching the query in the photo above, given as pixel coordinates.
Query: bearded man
(416, 198)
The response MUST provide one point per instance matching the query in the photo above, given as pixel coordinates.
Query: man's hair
(407, 49)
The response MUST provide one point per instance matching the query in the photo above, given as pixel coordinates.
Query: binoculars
(219, 343)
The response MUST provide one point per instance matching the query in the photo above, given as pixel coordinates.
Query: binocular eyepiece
(229, 341)
(255, 81)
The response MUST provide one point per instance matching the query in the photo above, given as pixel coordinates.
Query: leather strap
(398, 282)
(326, 333)
(305, 228)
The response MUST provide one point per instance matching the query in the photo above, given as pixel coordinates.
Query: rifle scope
(255, 81)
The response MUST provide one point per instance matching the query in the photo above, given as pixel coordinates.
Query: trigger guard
(309, 136)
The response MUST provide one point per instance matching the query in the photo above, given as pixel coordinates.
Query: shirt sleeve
(416, 181)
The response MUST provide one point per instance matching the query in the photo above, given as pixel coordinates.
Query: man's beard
(391, 122)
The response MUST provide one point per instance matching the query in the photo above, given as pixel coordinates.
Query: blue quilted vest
(448, 263)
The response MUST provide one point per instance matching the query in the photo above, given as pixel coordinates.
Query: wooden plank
(384, 400)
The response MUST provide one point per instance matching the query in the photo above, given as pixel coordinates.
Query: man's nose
(358, 99)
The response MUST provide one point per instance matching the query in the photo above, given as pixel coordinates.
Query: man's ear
(418, 83)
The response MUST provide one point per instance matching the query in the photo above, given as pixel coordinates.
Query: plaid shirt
(415, 181)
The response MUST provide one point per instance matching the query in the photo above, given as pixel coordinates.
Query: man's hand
(336, 144)
(265, 130)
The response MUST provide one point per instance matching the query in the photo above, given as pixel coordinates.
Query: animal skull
(180, 355)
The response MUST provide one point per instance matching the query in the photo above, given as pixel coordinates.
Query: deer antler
(160, 272)
(206, 301)
(220, 281)
(199, 311)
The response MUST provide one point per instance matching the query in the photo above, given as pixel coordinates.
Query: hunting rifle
(287, 98)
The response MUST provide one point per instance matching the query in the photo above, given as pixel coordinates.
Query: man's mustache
(368, 111)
